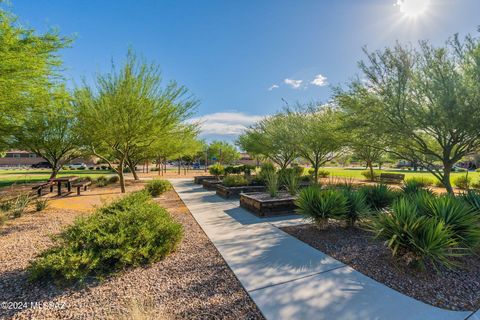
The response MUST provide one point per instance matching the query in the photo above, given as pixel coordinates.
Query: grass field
(11, 176)
(357, 173)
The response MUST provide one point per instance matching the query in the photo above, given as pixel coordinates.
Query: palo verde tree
(127, 110)
(425, 102)
(224, 152)
(272, 138)
(29, 66)
(317, 137)
(49, 131)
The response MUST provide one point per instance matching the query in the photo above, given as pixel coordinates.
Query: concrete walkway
(288, 279)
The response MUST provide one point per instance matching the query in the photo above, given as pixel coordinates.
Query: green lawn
(357, 173)
(9, 177)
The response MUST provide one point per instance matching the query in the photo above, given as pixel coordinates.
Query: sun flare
(413, 8)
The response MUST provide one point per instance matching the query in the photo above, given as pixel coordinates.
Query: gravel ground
(192, 283)
(450, 289)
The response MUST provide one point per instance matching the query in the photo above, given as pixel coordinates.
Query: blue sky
(230, 53)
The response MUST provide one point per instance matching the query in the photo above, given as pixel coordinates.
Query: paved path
(288, 279)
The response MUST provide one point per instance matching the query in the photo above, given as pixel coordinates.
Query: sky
(243, 59)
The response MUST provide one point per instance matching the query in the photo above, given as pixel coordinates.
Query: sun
(413, 8)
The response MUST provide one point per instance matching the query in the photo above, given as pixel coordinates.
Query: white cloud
(225, 123)
(273, 86)
(295, 84)
(319, 81)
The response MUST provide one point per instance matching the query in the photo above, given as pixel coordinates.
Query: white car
(77, 166)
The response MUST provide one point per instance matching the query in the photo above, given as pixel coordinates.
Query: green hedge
(130, 232)
(157, 187)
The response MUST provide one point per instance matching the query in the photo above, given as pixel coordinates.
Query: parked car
(80, 166)
(43, 164)
(196, 165)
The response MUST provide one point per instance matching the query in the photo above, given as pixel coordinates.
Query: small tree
(49, 132)
(223, 151)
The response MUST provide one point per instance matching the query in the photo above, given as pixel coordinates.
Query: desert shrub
(378, 196)
(130, 232)
(291, 181)
(472, 198)
(415, 237)
(475, 184)
(217, 170)
(459, 216)
(232, 170)
(256, 180)
(318, 205)
(20, 205)
(247, 169)
(6, 205)
(272, 182)
(234, 180)
(368, 175)
(87, 178)
(413, 186)
(3, 218)
(265, 170)
(356, 206)
(421, 181)
(323, 173)
(101, 181)
(462, 182)
(41, 204)
(113, 179)
(157, 187)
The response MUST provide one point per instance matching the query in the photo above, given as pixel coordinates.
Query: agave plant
(472, 198)
(291, 180)
(356, 206)
(414, 186)
(318, 205)
(414, 236)
(378, 196)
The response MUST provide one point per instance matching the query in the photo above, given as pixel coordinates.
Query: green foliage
(472, 198)
(415, 237)
(41, 204)
(422, 182)
(3, 218)
(378, 196)
(323, 173)
(223, 151)
(413, 186)
(6, 205)
(20, 205)
(290, 179)
(130, 232)
(319, 205)
(272, 182)
(356, 206)
(157, 187)
(368, 175)
(217, 170)
(462, 182)
(101, 181)
(234, 180)
(113, 179)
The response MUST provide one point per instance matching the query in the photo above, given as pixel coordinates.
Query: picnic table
(68, 180)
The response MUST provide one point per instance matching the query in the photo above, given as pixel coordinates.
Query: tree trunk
(315, 173)
(179, 166)
(132, 169)
(447, 169)
(55, 170)
(121, 166)
(370, 165)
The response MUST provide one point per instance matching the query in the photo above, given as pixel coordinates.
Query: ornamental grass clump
(290, 178)
(272, 182)
(217, 170)
(356, 207)
(319, 205)
(157, 187)
(462, 182)
(130, 232)
(418, 239)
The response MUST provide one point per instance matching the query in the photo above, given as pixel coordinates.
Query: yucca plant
(378, 196)
(356, 206)
(413, 186)
(460, 217)
(272, 182)
(472, 198)
(415, 237)
(318, 205)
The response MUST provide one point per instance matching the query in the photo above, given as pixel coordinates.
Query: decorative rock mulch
(192, 283)
(457, 289)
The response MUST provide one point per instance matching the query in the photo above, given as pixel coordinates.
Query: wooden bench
(392, 177)
(82, 185)
(39, 187)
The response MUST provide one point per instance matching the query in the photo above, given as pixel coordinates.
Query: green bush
(356, 206)
(113, 179)
(415, 237)
(462, 182)
(378, 196)
(368, 175)
(234, 180)
(272, 182)
(475, 184)
(217, 170)
(266, 169)
(459, 216)
(415, 185)
(101, 181)
(41, 204)
(472, 198)
(421, 181)
(232, 169)
(132, 231)
(291, 181)
(6, 205)
(157, 187)
(321, 173)
(319, 205)
(20, 205)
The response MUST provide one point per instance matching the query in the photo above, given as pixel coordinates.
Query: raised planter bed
(262, 205)
(199, 179)
(211, 184)
(228, 192)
